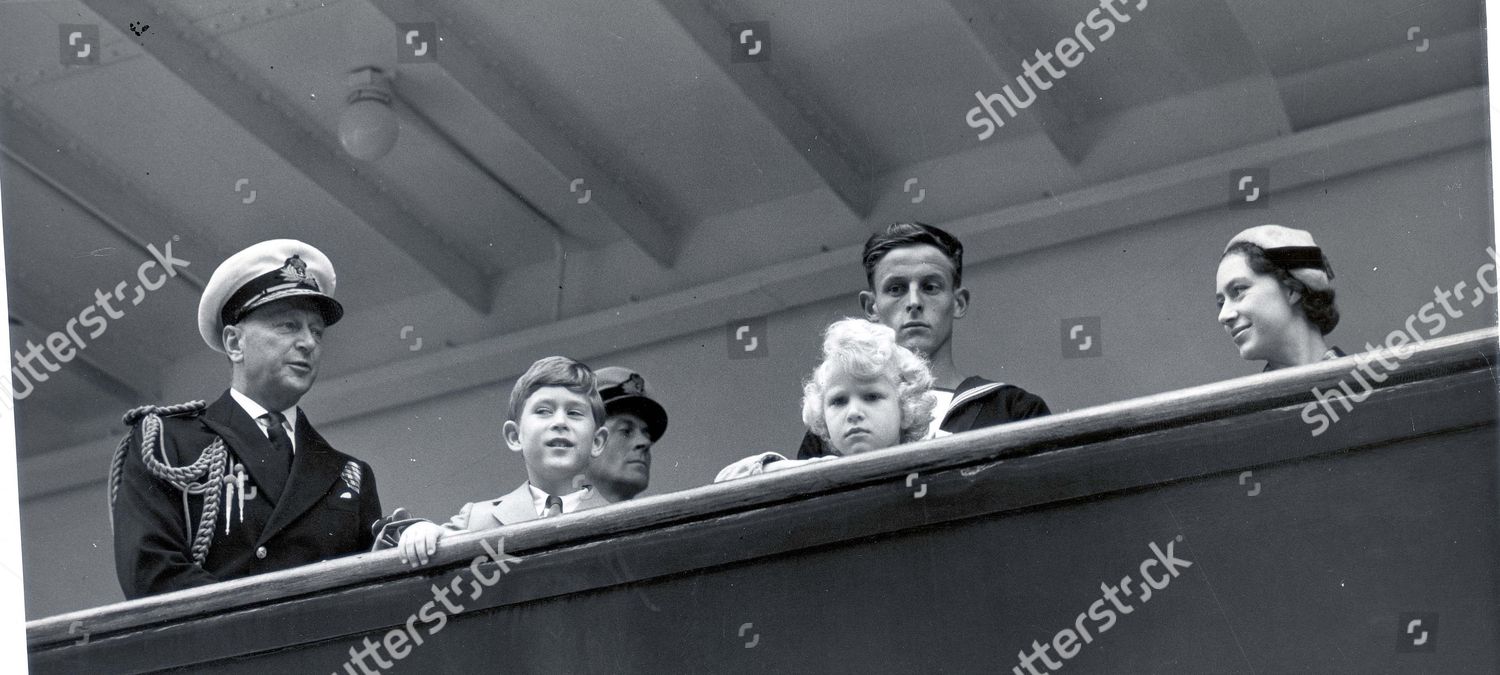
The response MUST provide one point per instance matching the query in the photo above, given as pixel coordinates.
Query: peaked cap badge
(295, 271)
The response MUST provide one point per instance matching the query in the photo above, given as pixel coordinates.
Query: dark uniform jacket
(977, 403)
(324, 509)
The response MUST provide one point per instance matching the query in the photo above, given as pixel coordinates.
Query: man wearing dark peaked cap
(636, 422)
(244, 485)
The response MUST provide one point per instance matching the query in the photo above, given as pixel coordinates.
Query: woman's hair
(866, 350)
(1317, 305)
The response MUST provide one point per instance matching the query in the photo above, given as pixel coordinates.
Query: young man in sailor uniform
(244, 485)
(915, 273)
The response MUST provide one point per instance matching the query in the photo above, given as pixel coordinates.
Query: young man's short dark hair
(974, 402)
(912, 234)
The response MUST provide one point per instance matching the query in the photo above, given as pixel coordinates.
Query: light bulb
(368, 127)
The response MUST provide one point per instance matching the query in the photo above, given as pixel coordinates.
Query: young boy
(556, 422)
(868, 394)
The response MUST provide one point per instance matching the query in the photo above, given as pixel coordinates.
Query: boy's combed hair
(866, 349)
(912, 234)
(557, 371)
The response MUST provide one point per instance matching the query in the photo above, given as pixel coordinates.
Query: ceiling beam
(126, 386)
(102, 191)
(830, 152)
(195, 57)
(986, 22)
(617, 202)
(1207, 35)
(1333, 91)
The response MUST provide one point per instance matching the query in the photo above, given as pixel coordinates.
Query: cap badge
(295, 271)
(635, 385)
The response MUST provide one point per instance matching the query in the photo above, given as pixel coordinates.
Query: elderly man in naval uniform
(244, 485)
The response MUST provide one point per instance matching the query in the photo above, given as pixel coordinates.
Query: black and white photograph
(749, 336)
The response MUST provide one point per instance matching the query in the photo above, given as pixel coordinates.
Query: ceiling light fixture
(368, 127)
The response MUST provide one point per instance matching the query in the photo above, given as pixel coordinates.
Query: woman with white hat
(1275, 297)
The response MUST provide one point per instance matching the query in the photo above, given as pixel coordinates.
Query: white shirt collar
(939, 411)
(570, 501)
(255, 410)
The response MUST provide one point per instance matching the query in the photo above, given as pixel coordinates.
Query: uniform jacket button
(260, 553)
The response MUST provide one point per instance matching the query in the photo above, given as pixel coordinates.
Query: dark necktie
(554, 506)
(279, 440)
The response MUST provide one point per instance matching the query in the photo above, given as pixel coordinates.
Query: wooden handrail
(967, 452)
